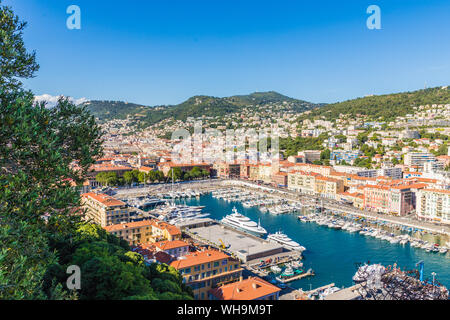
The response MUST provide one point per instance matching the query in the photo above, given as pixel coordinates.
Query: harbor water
(333, 254)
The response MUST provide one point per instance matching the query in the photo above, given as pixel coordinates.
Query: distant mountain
(383, 107)
(108, 110)
(196, 106)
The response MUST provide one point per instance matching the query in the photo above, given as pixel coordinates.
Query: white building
(433, 205)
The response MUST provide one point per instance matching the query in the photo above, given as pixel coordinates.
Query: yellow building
(104, 210)
(133, 232)
(145, 231)
(328, 187)
(206, 270)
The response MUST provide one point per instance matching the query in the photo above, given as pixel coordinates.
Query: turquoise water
(332, 254)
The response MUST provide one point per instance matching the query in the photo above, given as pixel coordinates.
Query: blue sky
(164, 51)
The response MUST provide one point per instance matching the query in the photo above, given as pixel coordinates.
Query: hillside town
(374, 166)
(397, 170)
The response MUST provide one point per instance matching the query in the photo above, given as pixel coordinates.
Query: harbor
(331, 253)
(334, 240)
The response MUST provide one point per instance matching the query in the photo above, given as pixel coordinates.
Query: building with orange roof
(227, 169)
(104, 167)
(133, 232)
(253, 288)
(165, 231)
(302, 181)
(146, 170)
(328, 187)
(206, 270)
(280, 179)
(104, 210)
(166, 166)
(175, 248)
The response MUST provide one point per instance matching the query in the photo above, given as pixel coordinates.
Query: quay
(297, 277)
(249, 249)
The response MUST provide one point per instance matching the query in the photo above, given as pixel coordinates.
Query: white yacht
(241, 222)
(187, 215)
(284, 240)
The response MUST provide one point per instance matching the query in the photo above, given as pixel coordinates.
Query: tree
(142, 177)
(15, 61)
(128, 177)
(43, 152)
(176, 173)
(325, 154)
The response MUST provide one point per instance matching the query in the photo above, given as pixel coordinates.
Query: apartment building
(253, 288)
(394, 172)
(145, 231)
(398, 200)
(328, 187)
(175, 248)
(206, 270)
(227, 170)
(164, 231)
(418, 159)
(104, 210)
(301, 181)
(348, 156)
(133, 232)
(376, 198)
(433, 205)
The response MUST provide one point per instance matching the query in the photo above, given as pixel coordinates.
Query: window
(224, 262)
(216, 264)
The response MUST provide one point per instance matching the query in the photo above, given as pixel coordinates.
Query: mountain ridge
(195, 106)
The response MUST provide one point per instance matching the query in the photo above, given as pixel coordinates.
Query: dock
(297, 277)
(320, 289)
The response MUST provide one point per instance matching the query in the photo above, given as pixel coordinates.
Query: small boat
(275, 269)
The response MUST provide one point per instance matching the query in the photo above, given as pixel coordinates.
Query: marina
(331, 252)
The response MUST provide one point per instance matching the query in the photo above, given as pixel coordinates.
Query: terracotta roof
(173, 231)
(104, 199)
(437, 190)
(167, 245)
(249, 289)
(199, 257)
(129, 225)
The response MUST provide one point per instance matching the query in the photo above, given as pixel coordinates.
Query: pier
(297, 277)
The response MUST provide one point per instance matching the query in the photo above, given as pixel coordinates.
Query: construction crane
(222, 245)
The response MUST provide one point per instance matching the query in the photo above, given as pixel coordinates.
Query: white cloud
(53, 100)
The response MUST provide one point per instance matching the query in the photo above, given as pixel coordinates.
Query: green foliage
(196, 106)
(15, 61)
(293, 146)
(39, 234)
(109, 270)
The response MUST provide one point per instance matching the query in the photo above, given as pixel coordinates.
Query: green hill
(108, 110)
(383, 107)
(196, 106)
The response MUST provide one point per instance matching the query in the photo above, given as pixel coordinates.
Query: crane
(222, 245)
